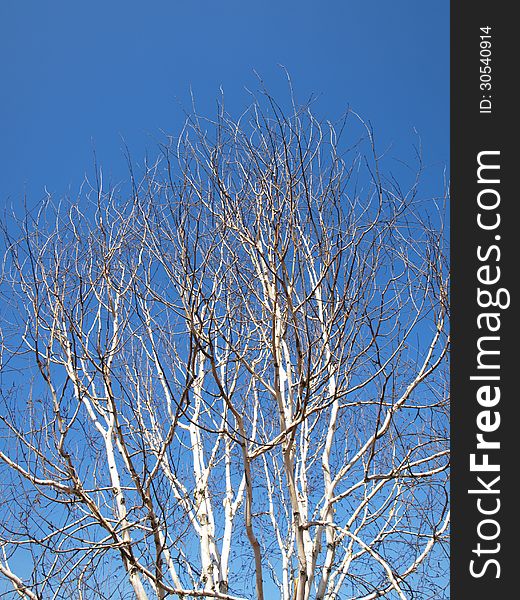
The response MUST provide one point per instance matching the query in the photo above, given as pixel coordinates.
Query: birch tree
(228, 379)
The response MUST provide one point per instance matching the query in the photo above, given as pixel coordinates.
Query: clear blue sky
(76, 74)
(82, 74)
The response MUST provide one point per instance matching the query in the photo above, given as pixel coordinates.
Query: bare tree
(231, 381)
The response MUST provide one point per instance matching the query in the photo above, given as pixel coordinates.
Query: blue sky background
(82, 75)
(77, 75)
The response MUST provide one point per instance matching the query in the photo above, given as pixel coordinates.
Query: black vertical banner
(485, 235)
